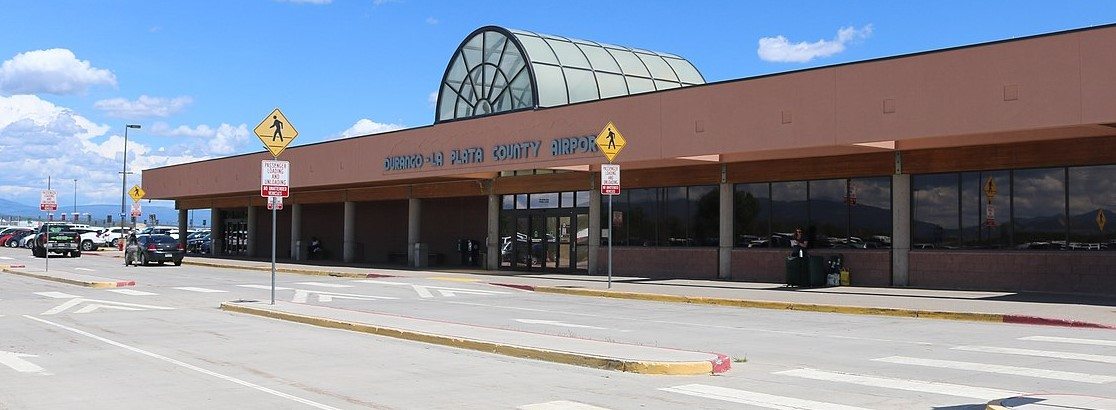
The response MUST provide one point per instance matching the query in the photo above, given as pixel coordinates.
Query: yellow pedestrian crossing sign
(276, 132)
(610, 141)
(136, 193)
(1101, 220)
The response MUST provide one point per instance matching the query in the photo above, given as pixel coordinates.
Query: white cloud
(431, 21)
(779, 49)
(38, 138)
(366, 126)
(143, 107)
(432, 99)
(53, 71)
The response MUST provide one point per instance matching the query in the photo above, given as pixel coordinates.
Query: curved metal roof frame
(579, 70)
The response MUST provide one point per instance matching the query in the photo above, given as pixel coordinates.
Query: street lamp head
(133, 126)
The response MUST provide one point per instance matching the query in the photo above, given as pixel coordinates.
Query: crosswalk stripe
(131, 292)
(560, 405)
(268, 287)
(56, 295)
(202, 290)
(753, 398)
(6, 258)
(949, 389)
(995, 368)
(1039, 353)
(84, 269)
(325, 285)
(1069, 340)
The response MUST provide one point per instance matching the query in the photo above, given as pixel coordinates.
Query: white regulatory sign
(48, 201)
(275, 178)
(610, 179)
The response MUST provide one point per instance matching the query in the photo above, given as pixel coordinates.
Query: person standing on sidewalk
(799, 243)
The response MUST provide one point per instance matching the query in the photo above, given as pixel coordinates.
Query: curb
(720, 364)
(291, 270)
(808, 307)
(88, 284)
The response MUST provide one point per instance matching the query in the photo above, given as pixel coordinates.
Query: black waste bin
(796, 271)
(817, 271)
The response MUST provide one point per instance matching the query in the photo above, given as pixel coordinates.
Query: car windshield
(161, 239)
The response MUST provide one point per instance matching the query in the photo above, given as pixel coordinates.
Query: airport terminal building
(984, 167)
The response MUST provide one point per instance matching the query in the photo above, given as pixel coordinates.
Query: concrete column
(253, 225)
(348, 241)
(724, 250)
(183, 226)
(414, 227)
(595, 227)
(216, 232)
(493, 241)
(296, 233)
(900, 229)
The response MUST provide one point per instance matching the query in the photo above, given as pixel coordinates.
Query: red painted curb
(513, 286)
(721, 364)
(125, 283)
(1035, 320)
(17, 266)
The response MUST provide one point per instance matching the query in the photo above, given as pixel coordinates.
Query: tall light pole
(124, 179)
(75, 199)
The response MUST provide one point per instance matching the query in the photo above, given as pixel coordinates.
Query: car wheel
(86, 245)
(178, 263)
(76, 254)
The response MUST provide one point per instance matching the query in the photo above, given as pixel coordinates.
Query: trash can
(796, 271)
(816, 271)
(421, 255)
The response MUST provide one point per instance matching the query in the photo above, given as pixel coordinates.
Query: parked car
(28, 241)
(90, 238)
(198, 242)
(58, 238)
(16, 239)
(8, 235)
(111, 235)
(159, 248)
(164, 230)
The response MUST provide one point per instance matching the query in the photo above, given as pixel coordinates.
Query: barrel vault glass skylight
(497, 69)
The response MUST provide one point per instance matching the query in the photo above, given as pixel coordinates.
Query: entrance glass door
(539, 235)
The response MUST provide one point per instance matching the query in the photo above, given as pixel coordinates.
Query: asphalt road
(164, 344)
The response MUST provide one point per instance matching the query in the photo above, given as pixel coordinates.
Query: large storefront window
(545, 231)
(671, 216)
(1043, 209)
(836, 213)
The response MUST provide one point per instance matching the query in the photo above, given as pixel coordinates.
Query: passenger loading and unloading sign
(275, 178)
(610, 179)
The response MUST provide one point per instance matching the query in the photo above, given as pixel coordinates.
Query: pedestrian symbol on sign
(278, 125)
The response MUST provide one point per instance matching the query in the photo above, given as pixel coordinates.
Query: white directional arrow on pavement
(557, 323)
(301, 295)
(16, 362)
(94, 304)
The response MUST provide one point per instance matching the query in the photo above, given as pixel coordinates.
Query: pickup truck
(56, 238)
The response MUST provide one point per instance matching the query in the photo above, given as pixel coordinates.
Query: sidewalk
(64, 276)
(1095, 311)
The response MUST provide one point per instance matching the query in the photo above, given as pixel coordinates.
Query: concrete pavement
(65, 276)
(1091, 311)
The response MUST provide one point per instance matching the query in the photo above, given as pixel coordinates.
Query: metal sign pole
(273, 255)
(610, 241)
(46, 240)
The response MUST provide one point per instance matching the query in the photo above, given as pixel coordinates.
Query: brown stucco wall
(658, 263)
(446, 220)
(324, 221)
(1074, 272)
(381, 230)
(282, 236)
(866, 267)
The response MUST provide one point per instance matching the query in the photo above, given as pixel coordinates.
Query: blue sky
(199, 75)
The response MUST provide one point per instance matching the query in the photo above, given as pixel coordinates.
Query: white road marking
(1070, 340)
(1039, 353)
(98, 304)
(132, 292)
(424, 291)
(267, 287)
(6, 258)
(301, 295)
(959, 390)
(17, 363)
(188, 366)
(56, 295)
(85, 269)
(202, 290)
(560, 405)
(557, 323)
(753, 398)
(1000, 369)
(325, 285)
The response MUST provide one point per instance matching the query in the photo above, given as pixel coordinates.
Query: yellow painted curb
(278, 269)
(807, 307)
(631, 366)
(88, 284)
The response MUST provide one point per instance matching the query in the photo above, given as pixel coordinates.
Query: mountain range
(165, 215)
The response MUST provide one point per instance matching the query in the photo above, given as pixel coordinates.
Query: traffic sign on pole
(276, 132)
(610, 179)
(136, 210)
(275, 178)
(48, 200)
(610, 141)
(275, 203)
(136, 193)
